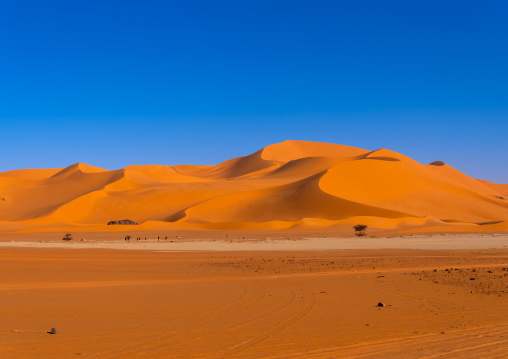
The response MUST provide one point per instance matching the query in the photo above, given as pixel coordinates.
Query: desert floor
(305, 303)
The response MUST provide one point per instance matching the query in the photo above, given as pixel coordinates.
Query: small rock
(52, 331)
(380, 304)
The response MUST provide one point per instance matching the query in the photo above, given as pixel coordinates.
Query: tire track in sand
(309, 302)
(139, 328)
(486, 342)
(158, 342)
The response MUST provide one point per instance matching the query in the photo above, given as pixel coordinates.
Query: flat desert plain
(256, 298)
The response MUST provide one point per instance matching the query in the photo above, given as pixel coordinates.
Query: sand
(426, 242)
(244, 301)
(289, 186)
(255, 258)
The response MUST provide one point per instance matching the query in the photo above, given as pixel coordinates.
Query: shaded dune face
(295, 182)
(290, 202)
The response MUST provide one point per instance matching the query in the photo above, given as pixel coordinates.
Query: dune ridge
(292, 184)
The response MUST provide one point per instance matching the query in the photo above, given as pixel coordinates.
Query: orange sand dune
(34, 174)
(293, 184)
(501, 188)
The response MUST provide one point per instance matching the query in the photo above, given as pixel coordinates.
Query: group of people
(128, 238)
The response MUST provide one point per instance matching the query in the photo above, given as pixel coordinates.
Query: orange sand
(259, 259)
(292, 304)
(290, 186)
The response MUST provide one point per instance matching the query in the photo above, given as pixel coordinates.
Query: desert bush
(67, 237)
(360, 230)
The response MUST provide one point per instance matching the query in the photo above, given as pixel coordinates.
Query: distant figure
(145, 239)
(157, 238)
(165, 239)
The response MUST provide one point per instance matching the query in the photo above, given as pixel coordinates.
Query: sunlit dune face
(293, 184)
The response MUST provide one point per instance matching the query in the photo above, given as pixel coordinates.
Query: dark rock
(123, 221)
(437, 163)
(380, 304)
(52, 331)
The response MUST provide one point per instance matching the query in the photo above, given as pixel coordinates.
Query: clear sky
(115, 83)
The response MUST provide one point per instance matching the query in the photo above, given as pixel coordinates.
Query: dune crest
(292, 184)
(292, 150)
(79, 167)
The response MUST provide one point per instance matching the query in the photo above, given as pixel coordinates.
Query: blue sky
(114, 83)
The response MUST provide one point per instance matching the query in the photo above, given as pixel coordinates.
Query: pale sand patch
(435, 242)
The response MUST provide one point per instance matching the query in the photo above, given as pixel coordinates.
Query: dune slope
(296, 182)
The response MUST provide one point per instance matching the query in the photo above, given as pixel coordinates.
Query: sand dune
(31, 174)
(499, 188)
(293, 184)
